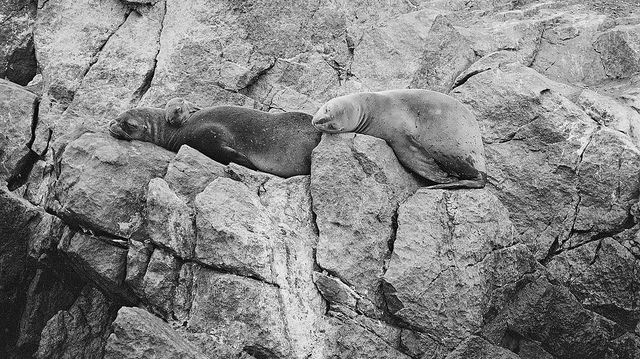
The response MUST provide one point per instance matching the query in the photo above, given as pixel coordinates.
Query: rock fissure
(230, 271)
(461, 81)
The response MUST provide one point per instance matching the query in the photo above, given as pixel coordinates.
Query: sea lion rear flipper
(237, 157)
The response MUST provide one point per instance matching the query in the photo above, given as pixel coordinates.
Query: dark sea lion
(179, 110)
(432, 134)
(279, 144)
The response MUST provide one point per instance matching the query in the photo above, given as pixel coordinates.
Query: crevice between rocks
(137, 95)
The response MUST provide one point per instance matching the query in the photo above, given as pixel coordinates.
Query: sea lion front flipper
(420, 161)
(237, 157)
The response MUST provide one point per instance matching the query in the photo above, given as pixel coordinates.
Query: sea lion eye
(178, 108)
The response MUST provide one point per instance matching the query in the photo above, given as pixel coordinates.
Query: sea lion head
(176, 111)
(134, 124)
(335, 116)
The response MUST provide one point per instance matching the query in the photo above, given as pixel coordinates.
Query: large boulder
(356, 186)
(89, 191)
(17, 106)
(17, 57)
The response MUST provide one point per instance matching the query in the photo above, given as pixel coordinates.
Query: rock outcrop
(116, 249)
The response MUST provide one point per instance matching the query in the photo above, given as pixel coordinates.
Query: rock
(334, 291)
(611, 113)
(159, 282)
(190, 172)
(89, 190)
(46, 296)
(243, 313)
(19, 222)
(81, 331)
(446, 54)
(608, 185)
(599, 274)
(170, 222)
(69, 37)
(443, 255)
(350, 340)
(139, 334)
(17, 58)
(17, 107)
(138, 256)
(566, 52)
(619, 50)
(387, 57)
(234, 232)
(101, 262)
(356, 185)
(478, 348)
(119, 73)
(526, 117)
(551, 315)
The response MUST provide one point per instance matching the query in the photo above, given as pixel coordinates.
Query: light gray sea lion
(432, 134)
(179, 110)
(279, 144)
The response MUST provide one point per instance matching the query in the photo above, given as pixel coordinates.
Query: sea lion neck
(166, 135)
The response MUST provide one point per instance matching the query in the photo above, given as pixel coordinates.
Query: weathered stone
(68, 38)
(443, 254)
(619, 50)
(81, 331)
(19, 221)
(566, 52)
(421, 345)
(160, 281)
(47, 295)
(600, 274)
(611, 113)
(233, 231)
(478, 348)
(535, 139)
(90, 190)
(388, 56)
(551, 315)
(190, 172)
(350, 340)
(446, 54)
(170, 222)
(138, 256)
(334, 291)
(240, 312)
(17, 57)
(356, 185)
(17, 107)
(102, 263)
(608, 182)
(119, 74)
(139, 334)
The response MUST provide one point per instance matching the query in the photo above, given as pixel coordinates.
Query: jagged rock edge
(139, 93)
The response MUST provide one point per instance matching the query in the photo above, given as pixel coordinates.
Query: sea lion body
(279, 144)
(179, 110)
(432, 134)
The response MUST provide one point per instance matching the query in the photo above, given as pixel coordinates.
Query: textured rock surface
(206, 260)
(137, 333)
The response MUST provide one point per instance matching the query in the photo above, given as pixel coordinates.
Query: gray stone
(170, 222)
(444, 253)
(478, 348)
(160, 281)
(90, 190)
(81, 331)
(139, 334)
(356, 185)
(17, 107)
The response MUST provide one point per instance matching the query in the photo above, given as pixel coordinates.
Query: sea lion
(279, 144)
(432, 134)
(179, 110)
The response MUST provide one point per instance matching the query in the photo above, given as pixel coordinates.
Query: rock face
(122, 249)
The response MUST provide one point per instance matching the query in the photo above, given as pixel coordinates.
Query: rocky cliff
(115, 249)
